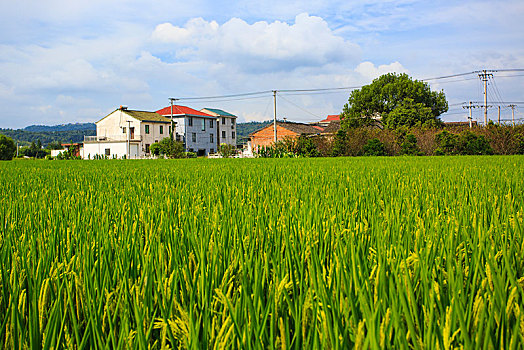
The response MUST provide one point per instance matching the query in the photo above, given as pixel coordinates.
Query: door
(132, 132)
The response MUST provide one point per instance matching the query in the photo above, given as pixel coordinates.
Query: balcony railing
(109, 138)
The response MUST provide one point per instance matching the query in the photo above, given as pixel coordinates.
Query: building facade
(226, 126)
(127, 134)
(196, 129)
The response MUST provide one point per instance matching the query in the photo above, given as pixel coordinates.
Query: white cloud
(261, 46)
(369, 71)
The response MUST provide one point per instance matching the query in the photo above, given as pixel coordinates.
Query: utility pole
(470, 107)
(171, 100)
(512, 113)
(484, 76)
(128, 139)
(17, 148)
(499, 115)
(275, 114)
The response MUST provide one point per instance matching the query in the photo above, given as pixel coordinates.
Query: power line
(302, 109)
(449, 76)
(325, 89)
(341, 89)
(224, 96)
(232, 99)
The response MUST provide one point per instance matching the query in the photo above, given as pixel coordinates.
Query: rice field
(263, 253)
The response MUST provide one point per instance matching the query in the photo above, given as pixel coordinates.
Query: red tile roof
(178, 110)
(318, 127)
(331, 118)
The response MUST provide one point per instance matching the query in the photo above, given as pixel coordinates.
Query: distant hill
(61, 127)
(63, 133)
(244, 129)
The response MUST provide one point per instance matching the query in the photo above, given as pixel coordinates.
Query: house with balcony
(126, 133)
(196, 129)
(226, 126)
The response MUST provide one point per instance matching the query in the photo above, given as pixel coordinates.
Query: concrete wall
(116, 149)
(203, 137)
(228, 129)
(113, 125)
(154, 134)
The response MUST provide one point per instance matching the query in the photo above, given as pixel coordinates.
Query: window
(190, 121)
(108, 152)
(211, 139)
(203, 124)
(147, 147)
(223, 121)
(223, 134)
(161, 129)
(193, 137)
(147, 129)
(124, 130)
(232, 121)
(211, 124)
(233, 134)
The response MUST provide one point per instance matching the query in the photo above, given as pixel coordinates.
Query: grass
(263, 253)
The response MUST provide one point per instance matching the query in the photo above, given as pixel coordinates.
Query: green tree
(374, 147)
(53, 145)
(226, 151)
(409, 146)
(396, 100)
(168, 147)
(464, 143)
(7, 148)
(339, 144)
(305, 147)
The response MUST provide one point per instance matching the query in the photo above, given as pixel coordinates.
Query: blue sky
(76, 61)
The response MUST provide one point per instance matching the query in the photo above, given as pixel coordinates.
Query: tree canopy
(7, 148)
(396, 100)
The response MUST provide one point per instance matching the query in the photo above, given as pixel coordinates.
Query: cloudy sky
(75, 61)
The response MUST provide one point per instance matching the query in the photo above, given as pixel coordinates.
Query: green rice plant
(334, 253)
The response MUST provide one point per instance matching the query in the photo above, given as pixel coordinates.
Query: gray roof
(332, 127)
(220, 112)
(147, 116)
(141, 115)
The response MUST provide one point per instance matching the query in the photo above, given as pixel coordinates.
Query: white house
(126, 133)
(226, 126)
(196, 129)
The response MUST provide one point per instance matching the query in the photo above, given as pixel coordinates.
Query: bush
(226, 151)
(7, 148)
(519, 140)
(155, 149)
(409, 146)
(374, 147)
(305, 147)
(464, 143)
(469, 143)
(168, 147)
(302, 146)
